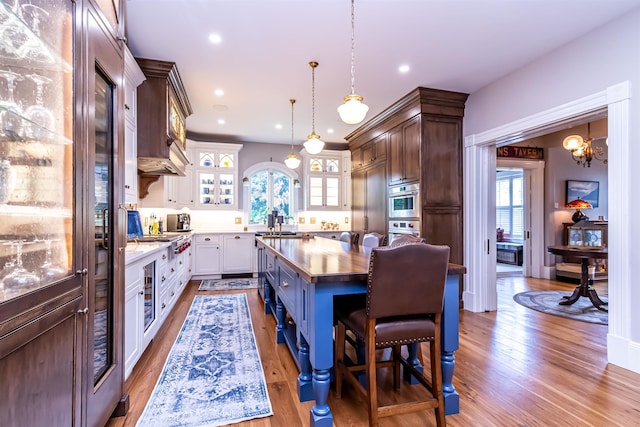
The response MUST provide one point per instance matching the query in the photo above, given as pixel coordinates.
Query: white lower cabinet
(207, 255)
(153, 284)
(238, 254)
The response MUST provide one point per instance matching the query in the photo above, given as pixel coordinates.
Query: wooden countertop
(320, 260)
(587, 252)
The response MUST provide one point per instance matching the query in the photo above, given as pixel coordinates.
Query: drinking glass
(49, 271)
(10, 110)
(42, 118)
(19, 280)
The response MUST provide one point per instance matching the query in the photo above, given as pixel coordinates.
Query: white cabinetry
(216, 175)
(238, 254)
(179, 191)
(133, 77)
(207, 255)
(324, 176)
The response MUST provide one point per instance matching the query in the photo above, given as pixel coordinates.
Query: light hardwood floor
(515, 367)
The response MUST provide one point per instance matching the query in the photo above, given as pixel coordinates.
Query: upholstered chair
(350, 237)
(403, 239)
(403, 305)
(374, 240)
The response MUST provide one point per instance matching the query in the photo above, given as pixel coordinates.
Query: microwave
(404, 201)
(178, 222)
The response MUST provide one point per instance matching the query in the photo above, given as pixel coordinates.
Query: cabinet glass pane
(206, 160)
(207, 188)
(315, 165)
(226, 160)
(226, 189)
(315, 191)
(333, 191)
(36, 145)
(333, 166)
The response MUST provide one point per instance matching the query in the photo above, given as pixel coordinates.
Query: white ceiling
(262, 61)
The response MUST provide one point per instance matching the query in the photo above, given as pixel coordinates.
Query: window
(270, 188)
(509, 203)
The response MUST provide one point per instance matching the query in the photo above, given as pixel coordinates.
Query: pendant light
(314, 144)
(353, 110)
(292, 161)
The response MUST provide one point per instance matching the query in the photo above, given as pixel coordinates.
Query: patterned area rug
(547, 302)
(228, 284)
(213, 375)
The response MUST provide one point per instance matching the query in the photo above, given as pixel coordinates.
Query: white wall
(592, 64)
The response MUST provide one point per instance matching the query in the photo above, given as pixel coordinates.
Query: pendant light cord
(313, 66)
(292, 101)
(353, 45)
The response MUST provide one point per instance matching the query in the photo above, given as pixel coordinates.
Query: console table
(584, 289)
(298, 279)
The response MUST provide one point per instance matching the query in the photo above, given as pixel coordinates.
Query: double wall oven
(404, 210)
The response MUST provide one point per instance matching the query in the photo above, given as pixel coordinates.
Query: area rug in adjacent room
(547, 302)
(213, 375)
(228, 284)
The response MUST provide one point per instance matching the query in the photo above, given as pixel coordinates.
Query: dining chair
(374, 240)
(403, 239)
(403, 305)
(348, 236)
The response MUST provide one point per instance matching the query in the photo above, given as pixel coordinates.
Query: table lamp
(578, 205)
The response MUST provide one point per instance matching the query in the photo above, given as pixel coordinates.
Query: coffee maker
(178, 222)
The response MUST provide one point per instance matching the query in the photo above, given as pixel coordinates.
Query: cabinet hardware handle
(236, 237)
(163, 278)
(83, 310)
(163, 305)
(127, 187)
(269, 266)
(285, 283)
(126, 107)
(206, 239)
(173, 269)
(141, 293)
(164, 256)
(180, 262)
(82, 272)
(173, 293)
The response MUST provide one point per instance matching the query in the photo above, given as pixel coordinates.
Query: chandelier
(292, 161)
(353, 110)
(582, 150)
(314, 144)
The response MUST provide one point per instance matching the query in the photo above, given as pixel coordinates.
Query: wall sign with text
(515, 152)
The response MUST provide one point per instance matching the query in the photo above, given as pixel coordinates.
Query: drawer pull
(163, 278)
(206, 239)
(172, 293)
(164, 256)
(163, 305)
(236, 237)
(173, 269)
(285, 283)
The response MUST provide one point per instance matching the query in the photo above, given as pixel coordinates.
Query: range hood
(174, 164)
(162, 107)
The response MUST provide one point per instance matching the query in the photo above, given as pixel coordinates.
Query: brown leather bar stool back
(406, 238)
(403, 305)
(348, 236)
(374, 240)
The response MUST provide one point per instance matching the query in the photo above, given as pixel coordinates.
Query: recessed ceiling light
(404, 68)
(278, 126)
(215, 38)
(219, 92)
(221, 121)
(330, 130)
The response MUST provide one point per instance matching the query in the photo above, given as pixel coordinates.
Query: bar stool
(403, 305)
(350, 237)
(374, 240)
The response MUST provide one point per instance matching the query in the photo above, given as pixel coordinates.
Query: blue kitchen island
(298, 280)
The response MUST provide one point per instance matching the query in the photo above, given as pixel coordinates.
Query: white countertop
(135, 251)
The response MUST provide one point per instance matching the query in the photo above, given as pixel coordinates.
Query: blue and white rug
(548, 302)
(228, 284)
(213, 375)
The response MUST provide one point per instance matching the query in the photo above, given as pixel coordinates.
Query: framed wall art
(584, 190)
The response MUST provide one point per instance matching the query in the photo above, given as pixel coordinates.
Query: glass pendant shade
(572, 142)
(314, 144)
(292, 161)
(353, 110)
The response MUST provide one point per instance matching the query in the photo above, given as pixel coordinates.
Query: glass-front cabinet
(217, 175)
(36, 146)
(323, 175)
